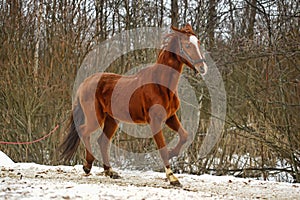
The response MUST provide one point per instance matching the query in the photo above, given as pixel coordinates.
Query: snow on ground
(4, 159)
(33, 181)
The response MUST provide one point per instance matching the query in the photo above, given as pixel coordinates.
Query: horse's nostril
(202, 70)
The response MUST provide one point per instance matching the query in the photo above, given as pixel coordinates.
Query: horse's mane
(166, 40)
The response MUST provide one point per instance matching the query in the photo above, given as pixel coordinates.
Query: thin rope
(34, 141)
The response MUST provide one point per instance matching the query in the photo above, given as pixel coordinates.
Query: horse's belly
(127, 111)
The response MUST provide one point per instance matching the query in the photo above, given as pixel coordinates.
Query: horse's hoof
(112, 174)
(115, 176)
(176, 183)
(86, 169)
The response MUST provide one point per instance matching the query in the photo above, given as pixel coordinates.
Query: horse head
(188, 49)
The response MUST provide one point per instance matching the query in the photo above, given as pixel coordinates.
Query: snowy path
(33, 181)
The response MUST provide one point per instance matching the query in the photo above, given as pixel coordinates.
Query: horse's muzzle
(201, 68)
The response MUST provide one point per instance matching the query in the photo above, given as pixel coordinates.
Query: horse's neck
(168, 69)
(170, 59)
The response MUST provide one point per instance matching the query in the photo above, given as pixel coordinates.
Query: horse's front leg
(160, 142)
(159, 139)
(174, 123)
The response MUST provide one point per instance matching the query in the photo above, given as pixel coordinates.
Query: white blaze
(194, 41)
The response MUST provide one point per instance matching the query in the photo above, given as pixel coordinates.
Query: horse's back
(127, 98)
(94, 84)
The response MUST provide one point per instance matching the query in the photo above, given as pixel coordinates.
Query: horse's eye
(188, 45)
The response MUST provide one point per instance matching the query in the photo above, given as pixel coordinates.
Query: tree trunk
(211, 24)
(38, 38)
(174, 13)
(250, 30)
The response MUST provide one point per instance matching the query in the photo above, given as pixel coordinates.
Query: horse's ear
(178, 31)
(188, 29)
(188, 26)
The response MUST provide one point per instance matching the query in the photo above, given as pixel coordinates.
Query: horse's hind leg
(110, 127)
(93, 120)
(89, 157)
(86, 131)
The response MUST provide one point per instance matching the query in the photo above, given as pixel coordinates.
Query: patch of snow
(34, 181)
(5, 160)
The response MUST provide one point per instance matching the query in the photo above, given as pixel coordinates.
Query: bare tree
(211, 21)
(174, 13)
(255, 45)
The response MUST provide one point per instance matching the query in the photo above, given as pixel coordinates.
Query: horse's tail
(71, 141)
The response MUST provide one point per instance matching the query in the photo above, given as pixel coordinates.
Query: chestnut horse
(148, 97)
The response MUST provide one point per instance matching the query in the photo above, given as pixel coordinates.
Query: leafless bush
(254, 43)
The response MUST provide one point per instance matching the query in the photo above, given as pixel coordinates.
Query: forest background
(255, 44)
